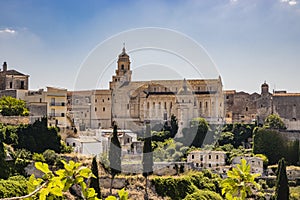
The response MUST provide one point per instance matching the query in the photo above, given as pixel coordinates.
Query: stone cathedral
(133, 102)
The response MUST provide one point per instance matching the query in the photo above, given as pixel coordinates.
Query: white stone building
(207, 159)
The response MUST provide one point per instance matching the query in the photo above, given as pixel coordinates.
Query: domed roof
(265, 84)
(184, 90)
(123, 54)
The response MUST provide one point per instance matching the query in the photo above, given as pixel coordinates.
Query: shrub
(14, 186)
(203, 195)
(179, 187)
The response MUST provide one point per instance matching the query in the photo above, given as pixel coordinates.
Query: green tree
(114, 156)
(239, 182)
(282, 187)
(147, 156)
(3, 164)
(293, 152)
(198, 131)
(37, 137)
(273, 121)
(174, 125)
(10, 106)
(95, 183)
(265, 141)
(226, 138)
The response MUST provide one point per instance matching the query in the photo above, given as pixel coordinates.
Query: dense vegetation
(10, 106)
(266, 140)
(180, 187)
(39, 143)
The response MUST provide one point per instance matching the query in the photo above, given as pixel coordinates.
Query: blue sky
(250, 41)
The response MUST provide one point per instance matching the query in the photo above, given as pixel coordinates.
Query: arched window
(122, 66)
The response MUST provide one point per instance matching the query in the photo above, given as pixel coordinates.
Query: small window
(246, 108)
(107, 99)
(192, 156)
(217, 157)
(209, 157)
(95, 109)
(200, 104)
(103, 109)
(63, 114)
(74, 144)
(165, 105)
(103, 100)
(227, 97)
(127, 106)
(148, 105)
(10, 84)
(122, 66)
(209, 165)
(22, 85)
(96, 100)
(206, 104)
(182, 101)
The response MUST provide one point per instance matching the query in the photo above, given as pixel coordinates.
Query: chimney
(4, 66)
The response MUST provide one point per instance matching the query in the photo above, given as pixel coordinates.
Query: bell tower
(123, 72)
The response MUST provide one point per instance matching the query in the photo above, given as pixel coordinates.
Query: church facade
(130, 103)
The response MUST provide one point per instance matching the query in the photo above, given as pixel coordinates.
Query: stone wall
(291, 135)
(14, 120)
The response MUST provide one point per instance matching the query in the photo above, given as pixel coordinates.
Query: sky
(248, 41)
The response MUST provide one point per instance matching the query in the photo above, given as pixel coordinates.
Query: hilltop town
(196, 126)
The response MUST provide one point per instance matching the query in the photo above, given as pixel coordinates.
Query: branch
(28, 195)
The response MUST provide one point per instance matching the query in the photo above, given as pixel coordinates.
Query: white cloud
(292, 2)
(7, 31)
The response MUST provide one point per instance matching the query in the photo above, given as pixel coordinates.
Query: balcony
(58, 104)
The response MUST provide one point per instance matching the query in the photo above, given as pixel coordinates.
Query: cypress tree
(114, 155)
(3, 165)
(282, 186)
(95, 181)
(147, 156)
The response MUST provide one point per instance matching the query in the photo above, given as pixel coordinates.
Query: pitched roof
(14, 72)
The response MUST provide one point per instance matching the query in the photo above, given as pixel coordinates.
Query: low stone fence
(14, 120)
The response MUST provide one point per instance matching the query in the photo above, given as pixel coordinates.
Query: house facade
(206, 158)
